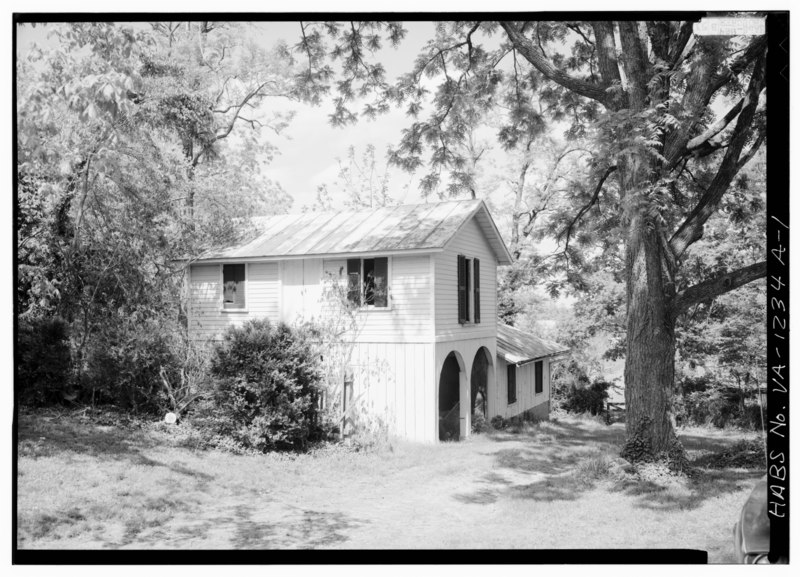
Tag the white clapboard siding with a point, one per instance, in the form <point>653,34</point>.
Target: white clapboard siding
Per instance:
<point>471,242</point>
<point>526,399</point>
<point>207,321</point>
<point>395,383</point>
<point>408,319</point>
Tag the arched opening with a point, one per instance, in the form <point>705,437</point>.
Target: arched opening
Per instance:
<point>449,395</point>
<point>479,383</point>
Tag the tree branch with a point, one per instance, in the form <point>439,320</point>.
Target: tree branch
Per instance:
<point>755,49</point>
<point>680,41</point>
<point>634,64</point>
<point>595,195</point>
<point>226,131</point>
<point>606,51</point>
<point>703,82</point>
<point>717,127</point>
<point>535,56</point>
<point>692,228</point>
<point>715,287</point>
<point>747,156</point>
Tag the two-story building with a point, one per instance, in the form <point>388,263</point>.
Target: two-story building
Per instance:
<point>423,281</point>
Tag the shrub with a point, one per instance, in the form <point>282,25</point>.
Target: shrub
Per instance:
<point>589,399</point>
<point>707,402</point>
<point>498,422</point>
<point>267,386</point>
<point>43,361</point>
<point>479,423</point>
<point>124,365</point>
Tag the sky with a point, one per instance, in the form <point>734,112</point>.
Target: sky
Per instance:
<point>309,152</point>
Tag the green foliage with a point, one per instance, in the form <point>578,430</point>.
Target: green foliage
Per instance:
<point>479,423</point>
<point>705,401</point>
<point>43,361</point>
<point>508,288</point>
<point>589,399</point>
<point>267,386</point>
<point>124,363</point>
<point>498,423</point>
<point>124,169</point>
<point>361,181</point>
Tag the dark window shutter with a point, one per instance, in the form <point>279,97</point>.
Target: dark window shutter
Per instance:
<point>467,286</point>
<point>381,287</point>
<point>354,280</point>
<point>511,372</point>
<point>462,290</point>
<point>233,286</point>
<point>537,367</point>
<point>476,273</point>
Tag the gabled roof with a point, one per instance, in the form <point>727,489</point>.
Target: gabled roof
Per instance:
<point>517,347</point>
<point>385,230</point>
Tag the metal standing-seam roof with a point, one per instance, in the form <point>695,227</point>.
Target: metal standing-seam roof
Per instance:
<point>517,347</point>
<point>410,227</point>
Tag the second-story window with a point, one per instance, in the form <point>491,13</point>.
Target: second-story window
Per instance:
<point>233,286</point>
<point>368,282</point>
<point>469,290</point>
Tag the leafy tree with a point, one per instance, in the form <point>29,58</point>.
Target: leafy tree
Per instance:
<point>643,94</point>
<point>361,181</point>
<point>725,336</point>
<point>137,148</point>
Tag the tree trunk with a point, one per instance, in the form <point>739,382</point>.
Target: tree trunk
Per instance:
<point>650,351</point>
<point>649,361</point>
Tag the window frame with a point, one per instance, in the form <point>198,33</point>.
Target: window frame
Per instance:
<point>511,370</point>
<point>361,292</point>
<point>244,308</point>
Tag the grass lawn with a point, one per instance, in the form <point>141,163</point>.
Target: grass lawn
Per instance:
<point>554,485</point>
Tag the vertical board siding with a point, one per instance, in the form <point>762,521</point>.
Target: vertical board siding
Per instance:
<point>394,382</point>
<point>470,242</point>
<point>207,321</point>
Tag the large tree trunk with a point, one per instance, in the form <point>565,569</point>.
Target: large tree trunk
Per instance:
<point>649,361</point>
<point>650,351</point>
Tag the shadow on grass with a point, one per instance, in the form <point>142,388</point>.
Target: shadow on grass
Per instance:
<point>299,529</point>
<point>90,439</point>
<point>39,439</point>
<point>704,484</point>
<point>562,488</point>
<point>567,434</point>
<point>565,459</point>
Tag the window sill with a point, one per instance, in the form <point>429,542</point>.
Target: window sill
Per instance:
<point>233,311</point>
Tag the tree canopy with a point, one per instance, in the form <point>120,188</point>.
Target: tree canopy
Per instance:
<point>667,118</point>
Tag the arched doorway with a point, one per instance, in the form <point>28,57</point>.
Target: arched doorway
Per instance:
<point>479,383</point>
<point>449,396</point>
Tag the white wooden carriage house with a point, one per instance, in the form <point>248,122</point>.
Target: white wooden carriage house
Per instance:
<point>425,280</point>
